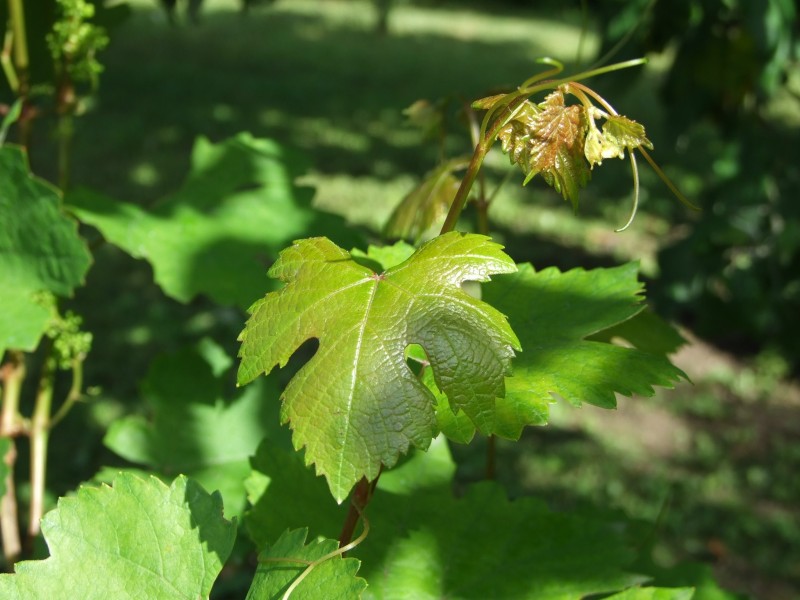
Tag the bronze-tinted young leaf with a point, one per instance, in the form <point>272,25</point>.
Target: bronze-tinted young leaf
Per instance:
<point>549,139</point>
<point>557,147</point>
<point>356,405</point>
<point>426,204</point>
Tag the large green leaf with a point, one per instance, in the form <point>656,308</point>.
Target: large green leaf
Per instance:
<point>136,539</point>
<point>331,579</point>
<point>430,544</point>
<point>356,405</point>
<point>198,427</point>
<point>218,234</point>
<point>40,251</point>
<point>554,313</point>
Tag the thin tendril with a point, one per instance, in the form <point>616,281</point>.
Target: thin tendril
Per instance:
<point>635,172</point>
<point>667,180</point>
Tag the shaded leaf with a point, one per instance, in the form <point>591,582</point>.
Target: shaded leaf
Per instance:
<point>427,204</point>
<point>40,252</point>
<point>331,579</point>
<point>554,314</point>
<point>199,427</point>
<point>276,469</point>
<point>645,331</point>
<point>356,405</point>
<point>280,474</point>
<point>426,543</point>
<point>238,207</point>
<point>136,539</point>
<point>484,546</point>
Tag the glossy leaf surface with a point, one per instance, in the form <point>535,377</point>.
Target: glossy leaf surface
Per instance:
<point>356,405</point>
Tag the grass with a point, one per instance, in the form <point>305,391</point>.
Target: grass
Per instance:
<point>717,460</point>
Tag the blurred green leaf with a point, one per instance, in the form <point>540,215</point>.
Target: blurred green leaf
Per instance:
<point>220,232</point>
<point>650,593</point>
<point>40,251</point>
<point>427,204</point>
<point>136,539</point>
<point>199,426</point>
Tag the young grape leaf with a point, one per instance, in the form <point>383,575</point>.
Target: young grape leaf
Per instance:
<point>40,251</point>
<point>426,204</point>
<point>238,206</point>
<point>549,139</point>
<point>136,539</point>
<point>651,593</point>
<point>198,428</point>
<point>356,405</point>
<point>331,579</point>
<point>554,313</point>
<point>619,134</point>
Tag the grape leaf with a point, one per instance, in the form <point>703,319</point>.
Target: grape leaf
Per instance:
<point>651,593</point>
<point>356,405</point>
<point>331,579</point>
<point>426,204</point>
<point>238,206</point>
<point>554,313</point>
<point>136,539</point>
<point>40,251</point>
<point>198,427</point>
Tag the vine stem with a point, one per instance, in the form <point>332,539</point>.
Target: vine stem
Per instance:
<point>40,436</point>
<point>481,150</point>
<point>362,494</point>
<point>12,374</point>
<point>19,49</point>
